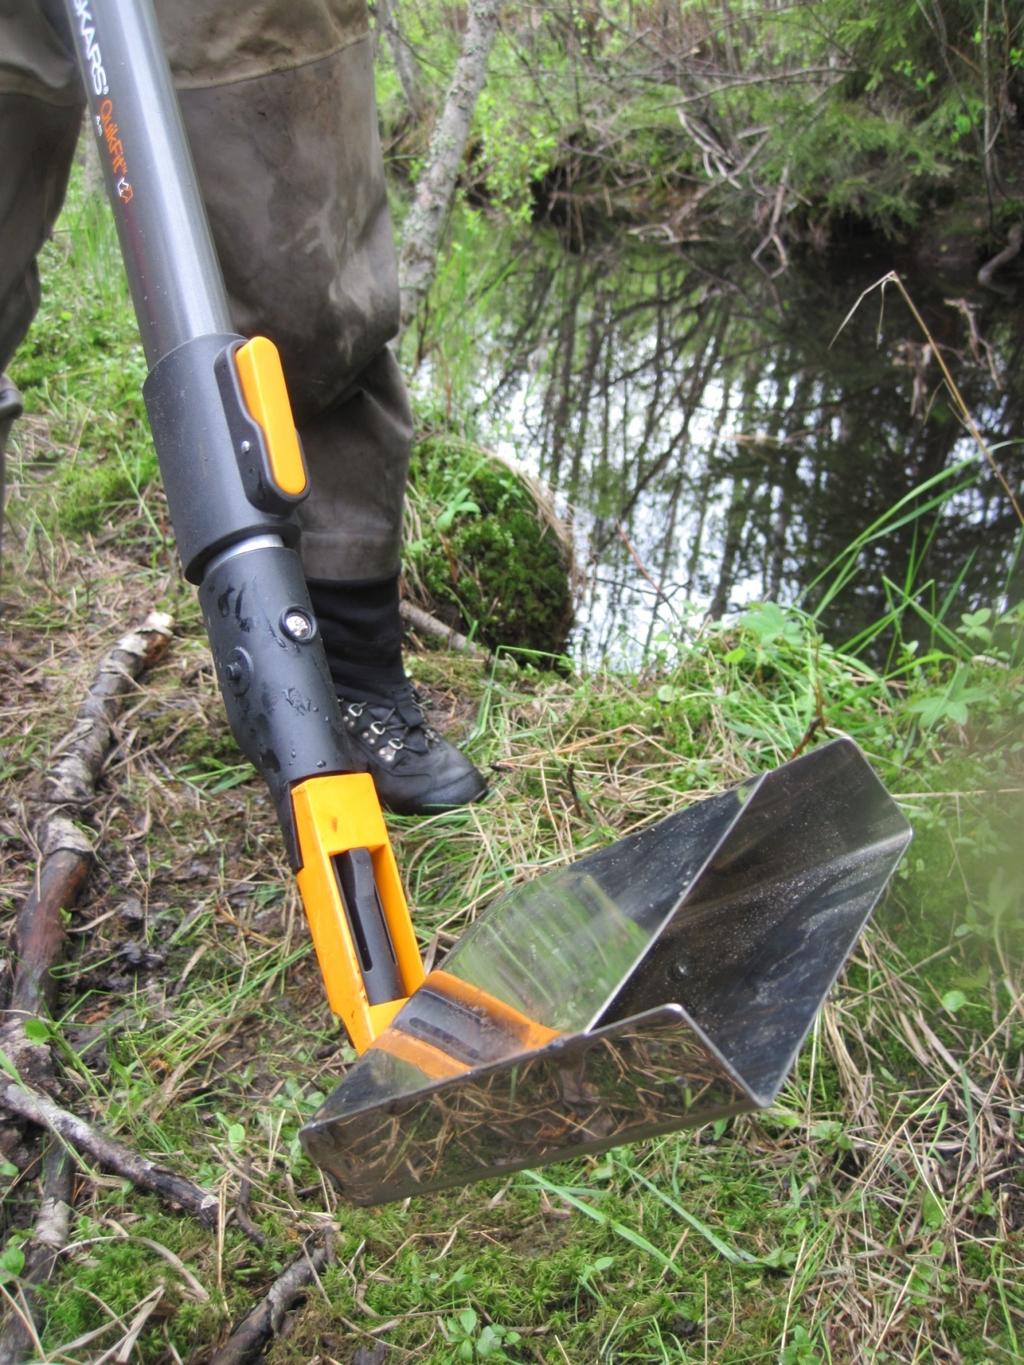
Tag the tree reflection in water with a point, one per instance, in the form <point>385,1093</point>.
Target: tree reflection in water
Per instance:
<point>712,448</point>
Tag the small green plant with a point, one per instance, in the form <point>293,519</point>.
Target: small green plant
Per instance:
<point>12,1262</point>
<point>800,1349</point>
<point>952,701</point>
<point>471,1341</point>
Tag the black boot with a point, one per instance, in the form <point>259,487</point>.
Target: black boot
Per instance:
<point>415,770</point>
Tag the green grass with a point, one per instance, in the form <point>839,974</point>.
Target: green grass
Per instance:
<point>872,1214</point>
<point>81,371</point>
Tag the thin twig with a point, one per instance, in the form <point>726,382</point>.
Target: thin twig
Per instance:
<point>241,1211</point>
<point>642,569</point>
<point>263,1322</point>
<point>963,411</point>
<point>1012,248</point>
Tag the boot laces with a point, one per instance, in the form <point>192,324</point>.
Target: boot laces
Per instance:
<point>390,726</point>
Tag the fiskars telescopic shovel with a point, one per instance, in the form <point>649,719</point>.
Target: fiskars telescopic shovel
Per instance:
<point>664,981</point>
<point>234,472</point>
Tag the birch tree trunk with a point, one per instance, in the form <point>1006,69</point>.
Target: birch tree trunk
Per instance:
<point>425,221</point>
<point>389,24</point>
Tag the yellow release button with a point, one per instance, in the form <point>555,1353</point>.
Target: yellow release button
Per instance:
<point>266,397</point>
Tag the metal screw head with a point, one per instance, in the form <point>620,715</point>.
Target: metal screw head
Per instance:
<point>245,447</point>
<point>238,671</point>
<point>297,624</point>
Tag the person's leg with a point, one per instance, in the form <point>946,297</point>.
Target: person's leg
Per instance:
<point>278,101</point>
<point>40,113</point>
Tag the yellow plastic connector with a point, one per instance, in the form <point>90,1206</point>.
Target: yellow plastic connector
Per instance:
<point>266,396</point>
<point>477,1015</point>
<point>334,814</point>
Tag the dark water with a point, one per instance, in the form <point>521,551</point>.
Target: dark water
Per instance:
<point>711,448</point>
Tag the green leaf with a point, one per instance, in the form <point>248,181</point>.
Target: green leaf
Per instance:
<point>785,1118</point>
<point>827,1130</point>
<point>12,1262</point>
<point>8,1170</point>
<point>36,1031</point>
<point>953,1001</point>
<point>767,621</point>
<point>462,505</point>
<point>468,1320</point>
<point>953,703</point>
<point>932,1212</point>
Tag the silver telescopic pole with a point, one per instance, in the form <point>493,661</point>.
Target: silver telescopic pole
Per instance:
<point>172,268</point>
<point>233,522</point>
<point>232,502</point>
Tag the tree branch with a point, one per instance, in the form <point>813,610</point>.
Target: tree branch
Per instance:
<point>430,625</point>
<point>263,1322</point>
<point>49,1236</point>
<point>32,1105</point>
<point>65,849</point>
<point>402,56</point>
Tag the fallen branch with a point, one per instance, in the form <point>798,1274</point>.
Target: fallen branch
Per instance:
<point>65,850</point>
<point>38,938</point>
<point>263,1322</point>
<point>430,625</point>
<point>49,1237</point>
<point>35,1107</point>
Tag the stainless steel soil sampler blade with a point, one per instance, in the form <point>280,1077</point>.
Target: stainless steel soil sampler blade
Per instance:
<point>664,981</point>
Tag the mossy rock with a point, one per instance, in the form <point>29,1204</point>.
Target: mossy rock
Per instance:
<point>485,551</point>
